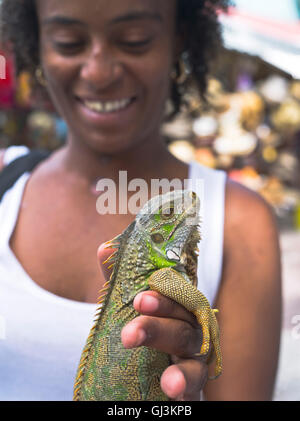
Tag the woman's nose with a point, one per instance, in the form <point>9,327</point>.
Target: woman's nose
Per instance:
<point>101,69</point>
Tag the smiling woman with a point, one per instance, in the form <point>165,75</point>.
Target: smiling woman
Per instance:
<point>105,89</point>
<point>109,68</point>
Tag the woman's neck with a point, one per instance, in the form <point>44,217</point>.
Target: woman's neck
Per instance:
<point>147,160</point>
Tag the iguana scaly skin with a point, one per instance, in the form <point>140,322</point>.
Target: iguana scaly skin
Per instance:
<point>157,251</point>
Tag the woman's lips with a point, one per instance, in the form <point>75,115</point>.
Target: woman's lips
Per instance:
<point>107,112</point>
<point>107,106</point>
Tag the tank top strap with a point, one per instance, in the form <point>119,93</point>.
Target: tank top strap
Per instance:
<point>210,186</point>
<point>14,152</point>
<point>10,204</point>
<point>9,209</point>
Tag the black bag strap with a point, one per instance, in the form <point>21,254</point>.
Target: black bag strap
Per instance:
<point>26,163</point>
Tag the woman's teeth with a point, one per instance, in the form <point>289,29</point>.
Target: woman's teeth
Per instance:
<point>107,107</point>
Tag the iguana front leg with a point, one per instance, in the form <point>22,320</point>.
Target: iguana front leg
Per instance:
<point>170,283</point>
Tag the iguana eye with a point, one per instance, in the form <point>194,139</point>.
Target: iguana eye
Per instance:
<point>157,238</point>
<point>167,212</point>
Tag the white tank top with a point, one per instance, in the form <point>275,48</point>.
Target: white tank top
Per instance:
<point>41,334</point>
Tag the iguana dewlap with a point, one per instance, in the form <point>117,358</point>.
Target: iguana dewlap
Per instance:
<point>157,251</point>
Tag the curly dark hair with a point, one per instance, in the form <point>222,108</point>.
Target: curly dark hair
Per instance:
<point>19,29</point>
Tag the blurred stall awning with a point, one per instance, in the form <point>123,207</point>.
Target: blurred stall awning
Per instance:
<point>275,41</point>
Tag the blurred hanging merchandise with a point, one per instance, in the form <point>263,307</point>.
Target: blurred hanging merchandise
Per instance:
<point>21,120</point>
<point>250,124</point>
<point>7,90</point>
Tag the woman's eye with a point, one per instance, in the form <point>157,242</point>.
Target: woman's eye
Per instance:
<point>68,46</point>
<point>136,44</point>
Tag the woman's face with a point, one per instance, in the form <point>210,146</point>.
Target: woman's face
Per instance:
<point>107,65</point>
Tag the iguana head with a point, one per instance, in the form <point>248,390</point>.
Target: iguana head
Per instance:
<point>168,225</point>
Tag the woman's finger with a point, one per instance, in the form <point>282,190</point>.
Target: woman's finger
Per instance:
<point>185,380</point>
<point>174,337</point>
<point>152,303</point>
<point>103,254</point>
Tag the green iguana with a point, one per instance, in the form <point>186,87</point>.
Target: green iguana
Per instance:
<point>157,251</point>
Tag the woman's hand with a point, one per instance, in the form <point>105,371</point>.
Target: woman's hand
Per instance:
<point>168,327</point>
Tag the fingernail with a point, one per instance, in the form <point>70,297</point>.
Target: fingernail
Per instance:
<point>149,303</point>
<point>141,337</point>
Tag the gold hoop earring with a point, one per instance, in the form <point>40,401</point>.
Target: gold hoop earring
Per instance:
<point>39,75</point>
<point>179,74</point>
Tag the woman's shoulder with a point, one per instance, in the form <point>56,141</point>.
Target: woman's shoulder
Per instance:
<point>242,203</point>
<point>248,217</point>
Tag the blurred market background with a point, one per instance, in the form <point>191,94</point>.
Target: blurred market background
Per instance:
<point>249,127</point>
